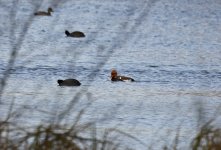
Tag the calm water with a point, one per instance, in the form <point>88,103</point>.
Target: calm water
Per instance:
<point>172,48</point>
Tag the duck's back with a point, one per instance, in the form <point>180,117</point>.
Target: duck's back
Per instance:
<point>126,78</point>
<point>70,82</point>
<point>42,13</point>
<point>77,34</point>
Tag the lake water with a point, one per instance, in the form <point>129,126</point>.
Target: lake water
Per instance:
<point>172,48</point>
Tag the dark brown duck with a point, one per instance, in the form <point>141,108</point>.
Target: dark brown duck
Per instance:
<point>43,13</point>
<point>68,82</point>
<point>77,34</point>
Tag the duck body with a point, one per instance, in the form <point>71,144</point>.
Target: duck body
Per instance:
<point>68,82</point>
<point>115,77</point>
<point>122,78</point>
<point>43,13</point>
<point>77,34</point>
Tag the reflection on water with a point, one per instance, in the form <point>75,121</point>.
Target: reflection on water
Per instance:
<point>171,49</point>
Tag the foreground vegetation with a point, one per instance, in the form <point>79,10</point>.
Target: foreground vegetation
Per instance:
<point>62,137</point>
<point>50,137</point>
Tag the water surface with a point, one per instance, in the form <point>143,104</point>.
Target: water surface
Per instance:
<point>171,48</point>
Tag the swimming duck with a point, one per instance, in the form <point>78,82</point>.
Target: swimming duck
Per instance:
<point>68,82</point>
<point>74,34</point>
<point>115,77</point>
<point>43,13</point>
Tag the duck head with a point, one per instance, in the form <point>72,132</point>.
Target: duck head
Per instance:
<point>60,81</point>
<point>67,32</point>
<point>113,73</point>
<point>50,9</point>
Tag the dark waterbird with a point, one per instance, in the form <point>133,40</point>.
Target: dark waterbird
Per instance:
<point>68,82</point>
<point>77,34</point>
<point>43,13</point>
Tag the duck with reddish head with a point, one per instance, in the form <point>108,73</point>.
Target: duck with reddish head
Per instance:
<point>116,77</point>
